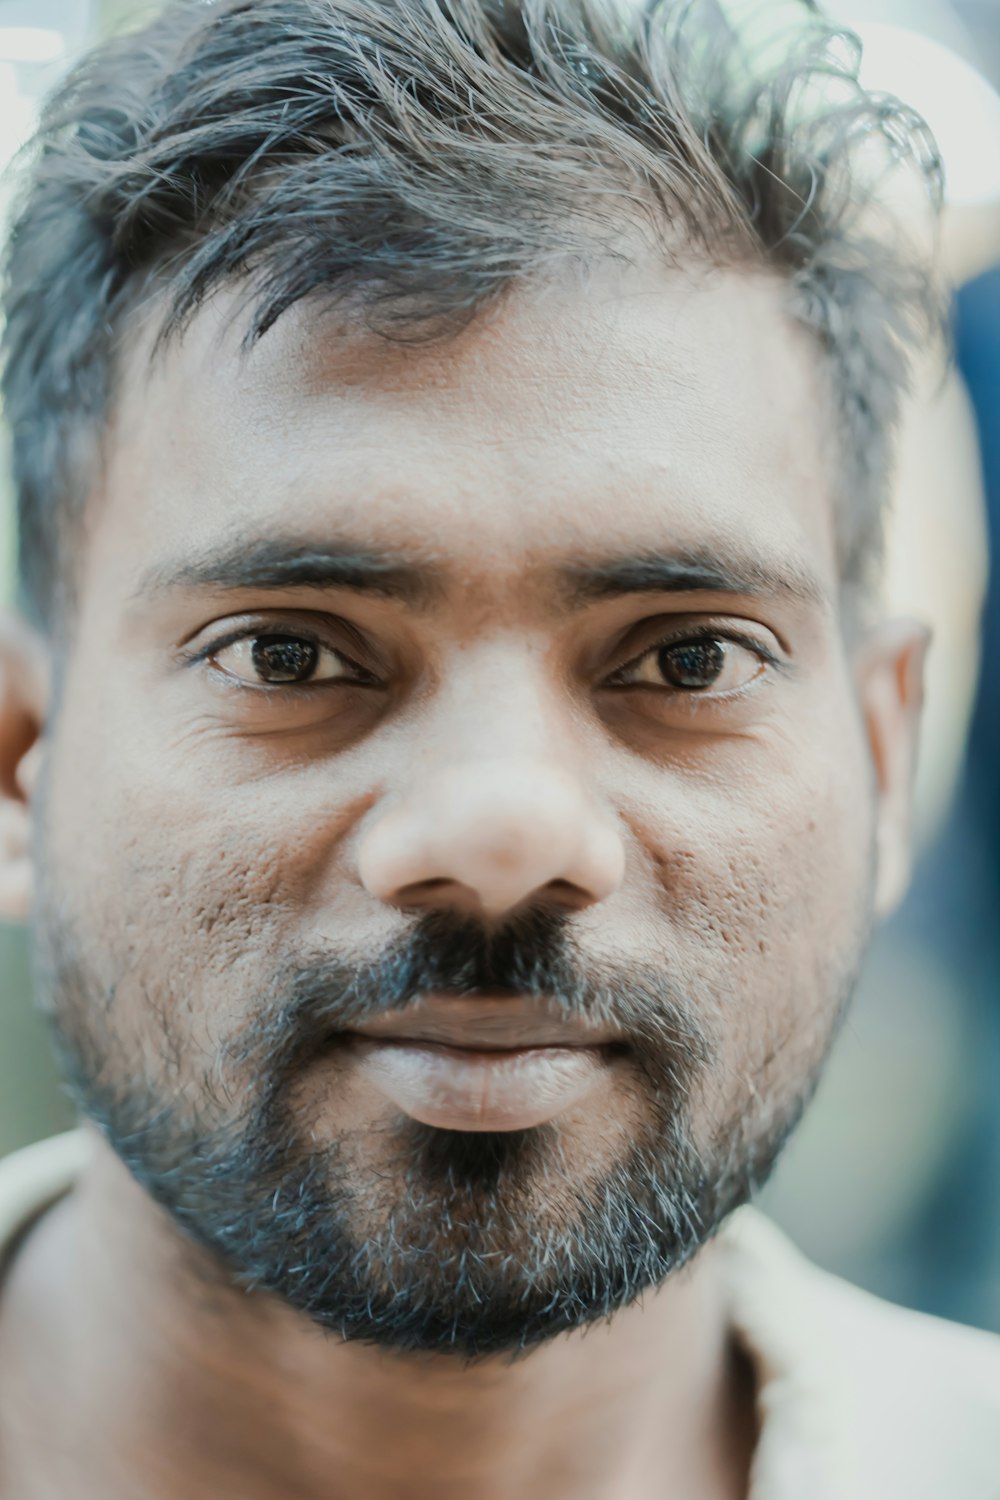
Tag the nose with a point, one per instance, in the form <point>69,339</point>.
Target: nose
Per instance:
<point>488,835</point>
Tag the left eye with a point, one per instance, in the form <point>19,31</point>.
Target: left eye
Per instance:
<point>697,665</point>
<point>278,659</point>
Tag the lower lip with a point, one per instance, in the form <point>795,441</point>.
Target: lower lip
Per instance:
<point>455,1089</point>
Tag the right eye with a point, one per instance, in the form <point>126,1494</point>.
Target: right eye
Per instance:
<point>280,660</point>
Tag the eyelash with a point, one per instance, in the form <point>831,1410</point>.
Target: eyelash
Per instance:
<point>698,633</point>
<point>365,678</point>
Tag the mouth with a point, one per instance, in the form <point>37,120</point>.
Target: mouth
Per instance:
<point>482,1063</point>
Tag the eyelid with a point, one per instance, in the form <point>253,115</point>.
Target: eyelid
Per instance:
<point>702,631</point>
<point>250,630</point>
<point>258,626</point>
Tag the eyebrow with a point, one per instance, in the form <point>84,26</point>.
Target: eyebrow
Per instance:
<point>287,563</point>
<point>694,571</point>
<point>419,580</point>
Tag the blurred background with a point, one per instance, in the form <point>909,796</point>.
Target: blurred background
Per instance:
<point>894,1178</point>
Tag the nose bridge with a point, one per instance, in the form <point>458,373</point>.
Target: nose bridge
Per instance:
<point>503,729</point>
<point>496,804</point>
<point>500,700</point>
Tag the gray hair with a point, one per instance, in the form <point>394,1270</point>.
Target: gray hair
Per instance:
<point>418,158</point>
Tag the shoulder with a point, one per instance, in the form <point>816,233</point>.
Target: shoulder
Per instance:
<point>909,1403</point>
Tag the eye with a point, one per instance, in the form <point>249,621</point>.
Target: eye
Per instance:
<point>277,660</point>
<point>696,664</point>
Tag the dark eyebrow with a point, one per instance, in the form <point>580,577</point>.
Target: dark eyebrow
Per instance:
<point>419,581</point>
<point>691,572</point>
<point>279,563</point>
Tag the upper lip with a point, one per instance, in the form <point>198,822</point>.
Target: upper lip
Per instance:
<point>484,1023</point>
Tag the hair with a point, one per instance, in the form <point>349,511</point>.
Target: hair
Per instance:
<point>415,160</point>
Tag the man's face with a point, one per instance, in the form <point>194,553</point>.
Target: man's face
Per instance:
<point>587,766</point>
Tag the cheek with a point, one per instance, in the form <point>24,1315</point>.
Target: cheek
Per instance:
<point>771,914</point>
<point>762,880</point>
<point>791,869</point>
<point>205,888</point>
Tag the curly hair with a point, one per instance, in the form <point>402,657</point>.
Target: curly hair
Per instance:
<point>418,158</point>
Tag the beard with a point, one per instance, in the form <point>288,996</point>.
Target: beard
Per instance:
<point>410,1237</point>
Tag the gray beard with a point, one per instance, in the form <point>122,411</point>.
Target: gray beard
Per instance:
<point>474,1244</point>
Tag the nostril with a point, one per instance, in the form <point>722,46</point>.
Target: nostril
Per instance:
<point>504,835</point>
<point>569,894</point>
<point>417,892</point>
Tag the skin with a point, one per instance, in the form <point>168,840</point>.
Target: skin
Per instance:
<point>740,838</point>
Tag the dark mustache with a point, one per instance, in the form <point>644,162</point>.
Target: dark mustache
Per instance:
<point>451,954</point>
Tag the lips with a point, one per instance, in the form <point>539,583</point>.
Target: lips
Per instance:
<point>482,1063</point>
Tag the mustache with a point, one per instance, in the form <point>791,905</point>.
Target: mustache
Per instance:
<point>449,954</point>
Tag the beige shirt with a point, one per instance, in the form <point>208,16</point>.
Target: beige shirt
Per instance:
<point>858,1399</point>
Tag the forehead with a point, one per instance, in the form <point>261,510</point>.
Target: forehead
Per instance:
<point>635,407</point>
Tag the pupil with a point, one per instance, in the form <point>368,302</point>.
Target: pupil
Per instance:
<point>692,664</point>
<point>283,658</point>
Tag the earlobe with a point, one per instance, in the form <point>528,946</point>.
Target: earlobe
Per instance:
<point>891,681</point>
<point>24,689</point>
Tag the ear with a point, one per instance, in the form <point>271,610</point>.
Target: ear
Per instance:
<point>890,673</point>
<point>24,697</point>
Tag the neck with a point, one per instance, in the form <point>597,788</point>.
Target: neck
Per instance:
<point>128,1340</point>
